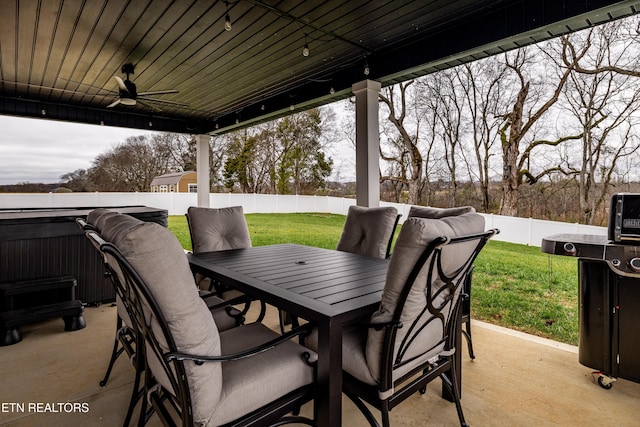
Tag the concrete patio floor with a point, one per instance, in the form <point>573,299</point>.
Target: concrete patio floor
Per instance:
<point>515,380</point>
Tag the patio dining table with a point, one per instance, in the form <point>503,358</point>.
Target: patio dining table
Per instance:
<point>330,288</point>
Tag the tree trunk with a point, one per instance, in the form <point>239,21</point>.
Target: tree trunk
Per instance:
<point>510,155</point>
<point>510,192</point>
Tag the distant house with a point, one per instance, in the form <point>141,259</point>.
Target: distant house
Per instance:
<point>176,182</point>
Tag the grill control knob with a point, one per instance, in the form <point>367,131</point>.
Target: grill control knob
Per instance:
<point>569,248</point>
<point>634,263</point>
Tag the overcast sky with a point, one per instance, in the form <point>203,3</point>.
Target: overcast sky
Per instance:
<point>38,150</point>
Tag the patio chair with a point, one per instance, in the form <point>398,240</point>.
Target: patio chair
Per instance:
<point>431,212</point>
<point>194,373</point>
<point>369,231</point>
<point>410,340</point>
<point>112,223</point>
<point>218,229</point>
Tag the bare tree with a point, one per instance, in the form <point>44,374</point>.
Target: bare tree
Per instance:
<point>132,165</point>
<point>481,89</point>
<point>605,104</point>
<point>127,167</point>
<point>77,180</point>
<point>403,153</point>
<point>536,95</point>
<point>447,108</point>
<point>217,157</point>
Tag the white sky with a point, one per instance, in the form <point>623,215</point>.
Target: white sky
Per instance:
<point>38,150</point>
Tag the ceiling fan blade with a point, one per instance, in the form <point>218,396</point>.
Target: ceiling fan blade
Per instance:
<point>163,101</point>
<point>114,103</point>
<point>146,104</point>
<point>121,84</point>
<point>158,92</point>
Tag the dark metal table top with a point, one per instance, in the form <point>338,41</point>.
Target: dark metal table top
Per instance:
<point>308,281</point>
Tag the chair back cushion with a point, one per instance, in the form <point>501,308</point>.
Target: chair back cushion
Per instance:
<point>159,259</point>
<point>367,231</point>
<point>97,217</point>
<point>429,212</point>
<point>116,225</point>
<point>218,229</point>
<point>112,227</point>
<point>415,236</point>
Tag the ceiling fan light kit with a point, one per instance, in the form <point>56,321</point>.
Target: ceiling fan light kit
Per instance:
<point>129,96</point>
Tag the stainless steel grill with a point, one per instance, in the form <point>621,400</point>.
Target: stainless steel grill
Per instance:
<point>609,297</point>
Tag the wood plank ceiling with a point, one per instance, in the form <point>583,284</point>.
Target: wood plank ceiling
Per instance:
<point>58,58</point>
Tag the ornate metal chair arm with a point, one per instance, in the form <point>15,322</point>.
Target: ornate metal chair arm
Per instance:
<point>199,359</point>
<point>384,325</point>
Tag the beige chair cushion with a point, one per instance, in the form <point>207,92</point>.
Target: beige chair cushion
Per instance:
<point>115,226</point>
<point>430,212</point>
<point>151,360</point>
<point>97,217</point>
<point>159,259</point>
<point>354,340</point>
<point>367,231</point>
<point>110,224</point>
<point>255,381</point>
<point>218,229</point>
<point>414,237</point>
<point>223,320</point>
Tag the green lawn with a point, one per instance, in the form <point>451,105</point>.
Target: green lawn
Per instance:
<point>522,288</point>
<point>515,286</point>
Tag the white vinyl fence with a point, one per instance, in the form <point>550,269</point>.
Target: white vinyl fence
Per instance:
<point>517,230</point>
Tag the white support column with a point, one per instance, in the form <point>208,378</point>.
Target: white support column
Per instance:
<point>202,164</point>
<point>367,143</point>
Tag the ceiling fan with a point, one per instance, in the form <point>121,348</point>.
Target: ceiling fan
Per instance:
<point>128,94</point>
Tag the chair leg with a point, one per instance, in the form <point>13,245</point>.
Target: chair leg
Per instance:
<point>384,412</point>
<point>115,353</point>
<point>423,389</point>
<point>136,394</point>
<point>219,289</point>
<point>286,318</point>
<point>144,416</point>
<point>263,311</point>
<point>467,334</point>
<point>247,305</point>
<point>364,410</point>
<point>144,413</point>
<point>282,320</point>
<point>452,386</point>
